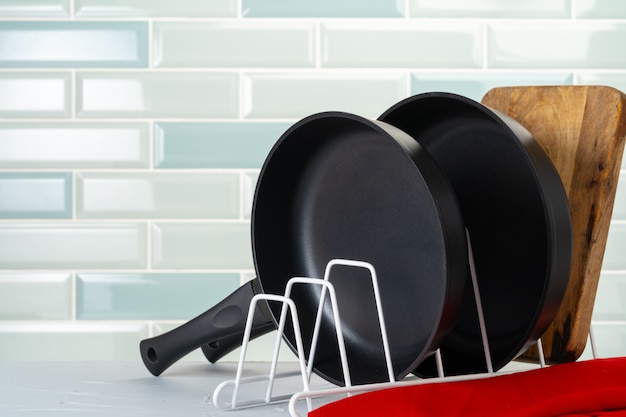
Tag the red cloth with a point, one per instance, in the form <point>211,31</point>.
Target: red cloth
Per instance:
<point>587,388</point>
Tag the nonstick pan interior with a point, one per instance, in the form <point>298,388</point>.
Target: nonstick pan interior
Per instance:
<point>516,211</point>
<point>336,185</point>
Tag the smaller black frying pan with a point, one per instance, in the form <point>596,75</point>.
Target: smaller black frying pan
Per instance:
<point>336,185</point>
<point>516,210</point>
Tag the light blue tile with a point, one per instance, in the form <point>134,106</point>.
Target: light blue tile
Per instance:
<point>490,8</point>
<point>73,44</point>
<point>614,255</point>
<point>603,9</point>
<point>158,94</point>
<point>74,145</point>
<point>610,339</point>
<point>294,95</point>
<point>71,341</point>
<point>566,44</point>
<point>150,296</point>
<point>611,79</point>
<point>201,246</point>
<point>401,44</point>
<point>34,8</point>
<point>36,94</point>
<point>214,145</point>
<point>65,245</point>
<point>35,296</point>
<point>475,84</point>
<point>35,195</point>
<point>249,185</point>
<point>159,8</point>
<point>609,303</point>
<point>323,8</point>
<point>246,43</point>
<point>178,195</point>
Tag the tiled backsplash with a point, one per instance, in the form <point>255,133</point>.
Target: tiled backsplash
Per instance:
<point>132,133</point>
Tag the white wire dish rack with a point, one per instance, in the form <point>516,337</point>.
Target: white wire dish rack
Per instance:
<point>306,393</point>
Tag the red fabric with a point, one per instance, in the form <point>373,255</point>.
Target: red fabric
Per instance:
<point>587,388</point>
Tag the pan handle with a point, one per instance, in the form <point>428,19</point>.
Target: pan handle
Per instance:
<point>219,329</point>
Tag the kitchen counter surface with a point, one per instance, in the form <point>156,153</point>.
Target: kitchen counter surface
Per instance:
<point>35,389</point>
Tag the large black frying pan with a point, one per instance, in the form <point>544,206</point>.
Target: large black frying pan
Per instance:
<point>517,214</point>
<point>336,185</point>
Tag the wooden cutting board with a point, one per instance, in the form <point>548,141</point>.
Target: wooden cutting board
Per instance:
<point>582,129</point>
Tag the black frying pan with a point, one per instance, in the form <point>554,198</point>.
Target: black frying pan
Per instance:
<point>339,186</point>
<point>517,214</point>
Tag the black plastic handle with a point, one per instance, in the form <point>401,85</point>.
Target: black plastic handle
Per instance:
<point>219,329</point>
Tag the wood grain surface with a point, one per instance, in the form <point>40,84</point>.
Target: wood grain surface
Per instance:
<point>582,129</point>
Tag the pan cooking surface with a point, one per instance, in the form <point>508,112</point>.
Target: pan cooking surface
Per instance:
<point>516,211</point>
<point>349,190</point>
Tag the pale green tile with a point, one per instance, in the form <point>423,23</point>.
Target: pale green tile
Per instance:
<point>474,85</point>
<point>201,245</point>
<point>73,44</point>
<point>604,9</point>
<point>609,302</point>
<point>34,8</point>
<point>563,44</point>
<point>159,8</point>
<point>610,339</point>
<point>490,8</point>
<point>35,296</point>
<point>249,184</point>
<point>150,296</point>
<point>157,94</point>
<point>74,145</point>
<point>234,43</point>
<point>214,145</point>
<point>323,8</point>
<point>65,245</point>
<point>35,94</point>
<point>611,79</point>
<point>158,195</point>
<point>70,341</point>
<point>299,94</point>
<point>35,195</point>
<point>403,44</point>
<point>614,258</point>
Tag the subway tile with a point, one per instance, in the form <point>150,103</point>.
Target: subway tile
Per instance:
<point>74,145</point>
<point>475,84</point>
<point>490,9</point>
<point>322,8</point>
<point>35,296</point>
<point>150,296</point>
<point>158,195</point>
<point>71,341</point>
<point>157,94</point>
<point>65,245</point>
<point>34,8</point>
<point>403,44</point>
<point>299,94</point>
<point>556,44</point>
<point>35,195</point>
<point>249,185</point>
<point>610,339</point>
<point>619,207</point>
<point>37,94</point>
<point>156,8</point>
<point>609,303</point>
<point>600,9</point>
<point>201,245</point>
<point>214,145</point>
<point>48,44</point>
<point>614,258</point>
<point>234,43</point>
<point>611,79</point>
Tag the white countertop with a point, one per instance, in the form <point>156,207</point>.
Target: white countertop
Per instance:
<point>117,389</point>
